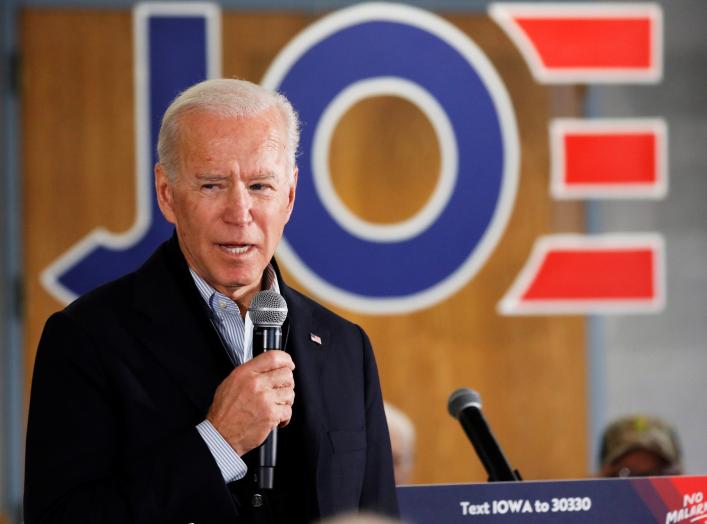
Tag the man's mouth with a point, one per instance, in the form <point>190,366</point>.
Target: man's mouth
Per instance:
<point>235,249</point>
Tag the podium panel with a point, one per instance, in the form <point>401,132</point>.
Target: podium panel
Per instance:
<point>664,500</point>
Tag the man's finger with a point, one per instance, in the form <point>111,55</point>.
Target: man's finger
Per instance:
<point>285,416</point>
<point>284,397</point>
<point>270,360</point>
<point>281,378</point>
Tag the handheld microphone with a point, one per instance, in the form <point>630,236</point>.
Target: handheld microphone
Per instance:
<point>465,405</point>
<point>268,311</point>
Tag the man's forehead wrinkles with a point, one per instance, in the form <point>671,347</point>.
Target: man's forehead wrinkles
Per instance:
<point>272,142</point>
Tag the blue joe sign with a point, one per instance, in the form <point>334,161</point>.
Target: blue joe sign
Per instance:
<point>362,51</point>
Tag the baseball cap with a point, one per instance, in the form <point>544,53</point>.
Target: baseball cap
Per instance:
<point>642,432</point>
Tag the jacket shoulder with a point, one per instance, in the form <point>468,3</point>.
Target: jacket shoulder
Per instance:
<point>115,295</point>
<point>111,295</point>
<point>320,313</point>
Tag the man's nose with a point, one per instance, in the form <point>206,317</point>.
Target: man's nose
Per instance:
<point>238,206</point>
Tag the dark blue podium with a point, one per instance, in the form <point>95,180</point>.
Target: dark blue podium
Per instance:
<point>663,500</point>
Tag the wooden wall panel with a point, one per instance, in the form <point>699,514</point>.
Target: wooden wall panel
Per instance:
<point>78,165</point>
<point>77,140</point>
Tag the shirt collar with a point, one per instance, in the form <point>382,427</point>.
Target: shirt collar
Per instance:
<point>209,294</point>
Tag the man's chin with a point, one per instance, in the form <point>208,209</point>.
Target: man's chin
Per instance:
<point>239,285</point>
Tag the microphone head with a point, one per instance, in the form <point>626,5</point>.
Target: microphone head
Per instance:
<point>461,399</point>
<point>268,309</point>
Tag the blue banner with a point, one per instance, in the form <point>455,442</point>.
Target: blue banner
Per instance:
<point>664,500</point>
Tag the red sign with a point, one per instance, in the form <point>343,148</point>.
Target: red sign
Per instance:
<point>578,274</point>
<point>573,43</point>
<point>606,158</point>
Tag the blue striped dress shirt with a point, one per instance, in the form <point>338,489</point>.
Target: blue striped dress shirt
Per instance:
<point>237,336</point>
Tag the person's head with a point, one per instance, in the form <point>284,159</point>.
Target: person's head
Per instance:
<point>639,446</point>
<point>228,97</point>
<point>359,518</point>
<point>402,442</point>
<point>226,179</point>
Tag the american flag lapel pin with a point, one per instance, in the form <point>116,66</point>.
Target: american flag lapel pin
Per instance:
<point>315,338</point>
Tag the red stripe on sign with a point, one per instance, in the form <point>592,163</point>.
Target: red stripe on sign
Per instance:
<point>594,275</point>
<point>590,42</point>
<point>677,492</point>
<point>626,158</point>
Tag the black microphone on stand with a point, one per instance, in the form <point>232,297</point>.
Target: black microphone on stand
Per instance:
<point>465,405</point>
<point>268,312</point>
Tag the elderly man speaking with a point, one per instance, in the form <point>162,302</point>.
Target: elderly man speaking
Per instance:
<point>147,405</point>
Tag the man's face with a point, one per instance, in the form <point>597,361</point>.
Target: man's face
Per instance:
<point>231,198</point>
<point>640,463</point>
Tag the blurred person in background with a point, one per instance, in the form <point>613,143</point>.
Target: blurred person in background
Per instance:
<point>360,518</point>
<point>402,441</point>
<point>640,446</point>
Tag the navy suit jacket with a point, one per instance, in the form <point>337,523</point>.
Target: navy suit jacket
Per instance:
<point>125,373</point>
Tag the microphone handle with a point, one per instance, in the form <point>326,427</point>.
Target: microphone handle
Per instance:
<point>486,446</point>
<point>268,458</point>
<point>266,338</point>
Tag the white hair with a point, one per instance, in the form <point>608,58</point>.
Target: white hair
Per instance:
<point>227,97</point>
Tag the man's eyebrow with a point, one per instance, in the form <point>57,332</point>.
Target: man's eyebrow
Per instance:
<point>210,177</point>
<point>263,175</point>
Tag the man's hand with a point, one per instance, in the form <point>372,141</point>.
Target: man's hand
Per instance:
<point>255,398</point>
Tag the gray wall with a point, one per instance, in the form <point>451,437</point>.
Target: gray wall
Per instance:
<point>3,284</point>
<point>657,364</point>
<point>10,348</point>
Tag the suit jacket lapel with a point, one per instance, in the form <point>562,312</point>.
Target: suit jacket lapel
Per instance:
<point>176,325</point>
<point>176,329</point>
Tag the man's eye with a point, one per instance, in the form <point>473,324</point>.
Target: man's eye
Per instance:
<point>209,187</point>
<point>259,187</point>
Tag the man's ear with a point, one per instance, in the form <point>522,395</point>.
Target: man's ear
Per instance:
<point>292,193</point>
<point>165,195</point>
